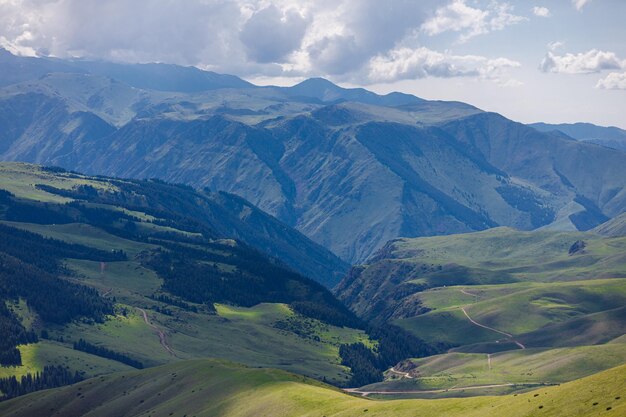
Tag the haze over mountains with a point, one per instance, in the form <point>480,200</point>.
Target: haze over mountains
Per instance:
<point>346,167</point>
<point>612,137</point>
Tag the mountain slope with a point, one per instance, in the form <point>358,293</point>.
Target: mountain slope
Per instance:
<point>211,388</point>
<point>611,137</point>
<point>225,215</point>
<point>613,228</point>
<point>348,168</point>
<point>406,273</point>
<point>99,273</point>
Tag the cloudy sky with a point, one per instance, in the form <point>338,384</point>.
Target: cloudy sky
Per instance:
<point>544,60</point>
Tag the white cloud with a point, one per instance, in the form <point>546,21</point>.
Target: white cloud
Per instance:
<point>408,63</point>
<point>541,11</point>
<point>579,4</point>
<point>553,46</point>
<point>470,21</point>
<point>343,39</point>
<point>593,60</point>
<point>613,81</point>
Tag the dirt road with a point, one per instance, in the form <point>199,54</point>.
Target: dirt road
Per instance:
<point>402,374</point>
<point>508,335</point>
<point>437,391</point>
<point>162,337</point>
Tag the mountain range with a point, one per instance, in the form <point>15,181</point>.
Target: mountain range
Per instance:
<point>348,168</point>
<point>611,137</point>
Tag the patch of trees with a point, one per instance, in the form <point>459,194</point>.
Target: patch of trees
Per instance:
<point>39,213</point>
<point>118,222</point>
<point>362,362</point>
<point>103,352</point>
<point>55,300</point>
<point>50,377</point>
<point>46,253</point>
<point>79,192</point>
<point>394,345</point>
<point>174,302</point>
<point>193,274</point>
<point>12,333</point>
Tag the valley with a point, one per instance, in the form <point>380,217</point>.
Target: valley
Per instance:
<point>178,242</point>
<point>148,323</point>
<point>516,308</point>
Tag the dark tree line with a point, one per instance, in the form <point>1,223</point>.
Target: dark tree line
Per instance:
<point>152,197</point>
<point>103,352</point>
<point>394,345</point>
<point>362,362</point>
<point>175,302</point>
<point>12,333</point>
<point>55,300</point>
<point>50,377</point>
<point>194,274</point>
<point>46,253</point>
<point>29,268</point>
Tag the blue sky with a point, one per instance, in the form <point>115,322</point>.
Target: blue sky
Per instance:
<point>552,60</point>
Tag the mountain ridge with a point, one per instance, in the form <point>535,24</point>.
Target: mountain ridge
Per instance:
<point>346,167</point>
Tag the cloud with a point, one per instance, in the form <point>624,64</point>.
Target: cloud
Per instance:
<point>270,35</point>
<point>553,46</point>
<point>407,63</point>
<point>344,39</point>
<point>541,11</point>
<point>579,4</point>
<point>613,81</point>
<point>591,61</point>
<point>469,21</point>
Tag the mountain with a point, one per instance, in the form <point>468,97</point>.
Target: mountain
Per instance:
<point>325,91</point>
<point>611,137</point>
<point>158,77</point>
<point>346,167</point>
<point>210,388</point>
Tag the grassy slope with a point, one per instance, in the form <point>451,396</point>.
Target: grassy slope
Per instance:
<point>247,335</point>
<point>212,388</point>
<point>499,306</point>
<point>530,366</point>
<point>527,256</point>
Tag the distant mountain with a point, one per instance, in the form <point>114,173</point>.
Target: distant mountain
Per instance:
<point>327,92</point>
<point>159,77</point>
<point>611,137</point>
<point>348,168</point>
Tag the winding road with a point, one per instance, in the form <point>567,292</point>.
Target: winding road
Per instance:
<point>162,337</point>
<point>508,335</point>
<point>402,374</point>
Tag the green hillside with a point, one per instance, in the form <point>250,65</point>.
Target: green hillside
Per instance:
<point>213,388</point>
<point>156,273</point>
<point>515,308</point>
<point>406,267</point>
